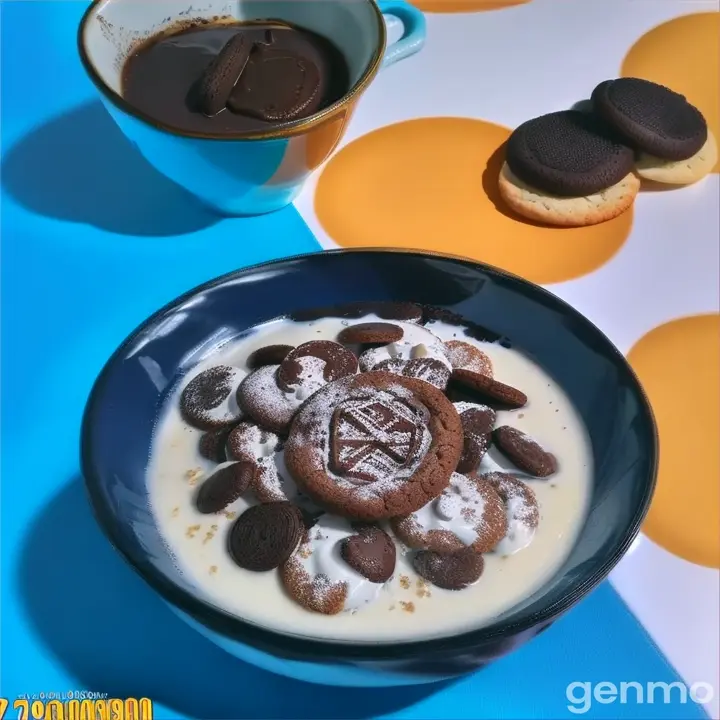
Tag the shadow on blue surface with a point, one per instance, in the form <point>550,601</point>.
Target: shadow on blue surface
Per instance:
<point>80,167</point>
<point>115,636</point>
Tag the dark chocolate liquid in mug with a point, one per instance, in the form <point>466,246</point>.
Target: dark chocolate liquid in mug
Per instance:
<point>231,78</point>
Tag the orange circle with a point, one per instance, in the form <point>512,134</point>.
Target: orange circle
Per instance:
<point>684,55</point>
<point>458,6</point>
<point>432,184</point>
<point>679,365</point>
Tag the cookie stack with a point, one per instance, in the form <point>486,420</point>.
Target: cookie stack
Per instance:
<point>575,168</point>
<point>351,451</point>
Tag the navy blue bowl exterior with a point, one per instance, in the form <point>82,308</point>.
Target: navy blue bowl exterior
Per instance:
<point>133,385</point>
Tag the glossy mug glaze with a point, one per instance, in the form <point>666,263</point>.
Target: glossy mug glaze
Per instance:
<point>145,369</point>
<point>251,173</point>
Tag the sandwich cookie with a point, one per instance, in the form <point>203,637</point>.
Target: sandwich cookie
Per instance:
<point>568,169</point>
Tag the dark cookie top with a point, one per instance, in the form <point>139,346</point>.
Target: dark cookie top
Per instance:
<point>651,117</point>
<point>568,153</point>
<point>208,400</point>
<point>229,481</point>
<point>371,552</point>
<point>374,445</point>
<point>451,572</point>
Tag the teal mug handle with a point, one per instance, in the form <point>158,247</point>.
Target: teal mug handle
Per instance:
<point>414,30</point>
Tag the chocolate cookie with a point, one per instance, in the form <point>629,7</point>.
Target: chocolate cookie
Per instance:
<point>450,572</point>
<point>468,513</point>
<point>651,117</point>
<point>521,509</point>
<point>464,356</point>
<point>371,552</point>
<point>313,364</point>
<point>526,453</point>
<point>568,153</point>
<point>478,422</point>
<point>492,391</point>
<point>429,369</point>
<point>265,536</point>
<point>264,402</point>
<point>371,333</point>
<point>208,400</point>
<point>268,355</point>
<point>375,445</point>
<point>212,444</point>
<point>227,483</point>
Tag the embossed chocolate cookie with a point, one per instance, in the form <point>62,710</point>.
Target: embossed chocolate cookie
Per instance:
<point>319,579</point>
<point>268,355</point>
<point>429,369</point>
<point>227,483</point>
<point>468,513</point>
<point>264,402</point>
<point>371,552</point>
<point>312,364</point>
<point>451,572</point>
<point>521,509</point>
<point>208,400</point>
<point>265,536</point>
<point>375,445</point>
<point>464,356</point>
<point>371,333</point>
<point>478,422</point>
<point>524,452</point>
<point>490,390</point>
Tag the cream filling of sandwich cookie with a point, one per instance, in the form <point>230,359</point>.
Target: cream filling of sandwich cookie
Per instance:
<point>321,556</point>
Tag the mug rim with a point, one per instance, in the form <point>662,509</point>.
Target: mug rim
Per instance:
<point>326,650</point>
<point>280,130</point>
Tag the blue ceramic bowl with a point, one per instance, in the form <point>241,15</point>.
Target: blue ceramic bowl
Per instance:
<point>125,401</point>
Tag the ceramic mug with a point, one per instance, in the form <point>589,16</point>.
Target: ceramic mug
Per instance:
<point>258,172</point>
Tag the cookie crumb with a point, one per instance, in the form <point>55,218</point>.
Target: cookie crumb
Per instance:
<point>213,569</point>
<point>408,607</point>
<point>209,535</point>
<point>176,511</point>
<point>404,582</point>
<point>305,552</point>
<point>423,590</point>
<point>392,607</point>
<point>192,476</point>
<point>192,531</point>
<point>230,515</point>
<point>521,416</point>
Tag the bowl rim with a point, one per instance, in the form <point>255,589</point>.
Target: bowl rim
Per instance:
<point>337,651</point>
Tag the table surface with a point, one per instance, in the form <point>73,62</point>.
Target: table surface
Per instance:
<point>94,240</point>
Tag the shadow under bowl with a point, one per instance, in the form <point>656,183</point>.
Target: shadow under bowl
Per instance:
<point>131,389</point>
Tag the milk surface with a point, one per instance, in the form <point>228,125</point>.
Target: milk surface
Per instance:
<point>407,608</point>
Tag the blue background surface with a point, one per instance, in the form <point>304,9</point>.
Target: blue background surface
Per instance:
<point>93,241</point>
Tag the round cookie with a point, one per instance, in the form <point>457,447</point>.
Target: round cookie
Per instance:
<point>522,512</point>
<point>478,422</point>
<point>651,117</point>
<point>371,552</point>
<point>375,445</point>
<point>226,484</point>
<point>491,390</point>
<point>317,577</point>
<point>212,444</point>
<point>526,453</point>
<point>371,333</point>
<point>539,206</point>
<point>679,172</point>
<point>208,401</point>
<point>468,513</point>
<point>568,154</point>
<point>310,365</point>
<point>428,369</point>
<point>265,536</point>
<point>464,356</point>
<point>268,355</point>
<point>261,399</point>
<point>455,571</point>
<point>417,344</point>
